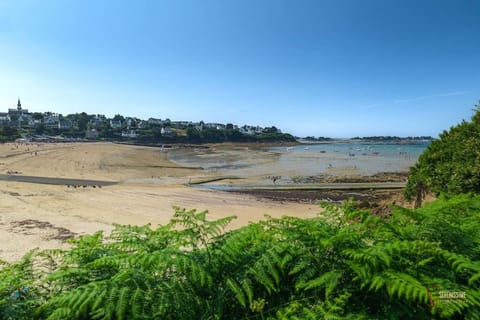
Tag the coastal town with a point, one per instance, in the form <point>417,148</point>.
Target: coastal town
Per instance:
<point>19,123</point>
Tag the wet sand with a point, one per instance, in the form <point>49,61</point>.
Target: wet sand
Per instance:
<point>147,185</point>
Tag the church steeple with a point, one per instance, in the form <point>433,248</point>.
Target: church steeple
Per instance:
<point>19,105</point>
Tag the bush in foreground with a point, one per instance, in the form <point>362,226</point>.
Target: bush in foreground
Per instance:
<point>344,264</point>
<point>451,164</point>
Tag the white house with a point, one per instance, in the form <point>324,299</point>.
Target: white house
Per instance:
<point>65,124</point>
<point>246,130</point>
<point>218,126</point>
<point>51,119</point>
<point>130,122</point>
<point>251,130</point>
<point>98,119</point>
<point>129,134</point>
<point>25,118</point>
<point>4,118</point>
<point>116,124</point>
<point>141,124</point>
<point>166,131</point>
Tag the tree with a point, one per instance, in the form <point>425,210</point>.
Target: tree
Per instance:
<point>82,121</point>
<point>37,116</point>
<point>119,117</point>
<point>272,129</point>
<point>40,129</point>
<point>234,135</point>
<point>106,130</point>
<point>451,164</point>
<point>193,135</point>
<point>8,133</point>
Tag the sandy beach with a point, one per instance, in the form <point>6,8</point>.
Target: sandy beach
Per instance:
<point>145,185</point>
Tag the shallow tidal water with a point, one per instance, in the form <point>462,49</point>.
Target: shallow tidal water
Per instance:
<point>304,160</point>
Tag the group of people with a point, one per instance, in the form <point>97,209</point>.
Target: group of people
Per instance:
<point>75,186</point>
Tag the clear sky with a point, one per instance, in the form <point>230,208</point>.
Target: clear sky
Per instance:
<point>338,68</point>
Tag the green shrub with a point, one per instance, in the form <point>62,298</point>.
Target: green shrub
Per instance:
<point>343,264</point>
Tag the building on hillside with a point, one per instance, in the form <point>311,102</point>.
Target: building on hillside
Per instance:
<point>4,118</point>
<point>155,122</point>
<point>247,130</point>
<point>25,118</point>
<point>116,124</point>
<point>98,119</point>
<point>165,131</point>
<point>19,115</point>
<point>251,130</point>
<point>131,122</point>
<point>132,134</point>
<point>18,110</point>
<point>51,119</point>
<point>65,124</point>
<point>34,122</point>
<point>218,126</point>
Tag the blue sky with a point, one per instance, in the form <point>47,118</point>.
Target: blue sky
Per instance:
<point>337,68</point>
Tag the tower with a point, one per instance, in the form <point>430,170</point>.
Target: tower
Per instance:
<point>19,105</point>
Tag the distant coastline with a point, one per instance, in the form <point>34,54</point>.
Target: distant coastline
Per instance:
<point>377,139</point>
<point>19,123</point>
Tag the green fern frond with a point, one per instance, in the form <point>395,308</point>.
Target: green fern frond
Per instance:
<point>267,278</point>
<point>123,303</point>
<point>377,283</point>
<point>238,291</point>
<point>300,267</point>
<point>405,286</point>
<point>61,314</point>
<point>328,280</point>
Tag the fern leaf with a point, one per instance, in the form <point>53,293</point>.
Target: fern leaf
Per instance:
<point>377,283</point>
<point>60,314</point>
<point>248,289</point>
<point>328,280</point>
<point>237,290</point>
<point>122,303</point>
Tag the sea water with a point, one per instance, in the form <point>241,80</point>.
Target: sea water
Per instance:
<point>384,149</point>
<point>323,159</point>
<point>364,158</point>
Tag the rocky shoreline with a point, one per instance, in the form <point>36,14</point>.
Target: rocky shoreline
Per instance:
<point>373,199</point>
